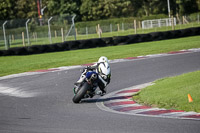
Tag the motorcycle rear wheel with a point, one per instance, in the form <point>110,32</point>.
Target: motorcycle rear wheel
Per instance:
<point>80,94</point>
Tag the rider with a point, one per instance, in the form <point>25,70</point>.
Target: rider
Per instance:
<point>102,68</point>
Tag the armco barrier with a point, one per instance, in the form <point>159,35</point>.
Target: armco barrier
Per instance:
<point>101,42</point>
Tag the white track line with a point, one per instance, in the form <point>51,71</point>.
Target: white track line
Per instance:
<point>16,92</point>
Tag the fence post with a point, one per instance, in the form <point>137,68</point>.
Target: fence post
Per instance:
<point>72,26</point>
<point>99,30</point>
<point>139,24</point>
<point>62,34</point>
<point>23,40</point>
<point>13,38</point>
<point>76,32</point>
<point>111,28</point>
<point>49,30</point>
<point>27,33</point>
<point>135,26</point>
<point>118,27</point>
<point>55,32</point>
<point>86,29</point>
<point>172,19</point>
<point>4,33</point>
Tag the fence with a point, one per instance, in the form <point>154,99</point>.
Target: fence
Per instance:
<point>147,24</point>
<point>37,32</point>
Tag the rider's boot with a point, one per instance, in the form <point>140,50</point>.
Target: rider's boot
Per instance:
<point>101,92</point>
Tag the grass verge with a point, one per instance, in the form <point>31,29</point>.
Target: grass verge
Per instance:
<point>18,64</point>
<point>172,93</point>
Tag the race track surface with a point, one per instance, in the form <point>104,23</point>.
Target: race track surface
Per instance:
<point>42,103</point>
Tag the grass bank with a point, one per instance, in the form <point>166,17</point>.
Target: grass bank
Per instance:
<point>172,93</point>
<point>18,64</point>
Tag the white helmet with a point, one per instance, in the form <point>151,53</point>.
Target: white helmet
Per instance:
<point>103,59</point>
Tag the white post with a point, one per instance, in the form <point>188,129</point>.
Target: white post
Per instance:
<point>74,26</point>
<point>27,31</point>
<point>111,28</point>
<point>166,21</point>
<point>62,34</point>
<point>168,8</point>
<point>86,31</point>
<point>4,33</point>
<point>122,26</point>
<point>143,27</point>
<point>151,23</point>
<point>49,30</point>
<point>135,26</point>
<point>159,23</point>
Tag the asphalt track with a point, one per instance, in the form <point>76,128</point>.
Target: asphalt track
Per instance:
<point>41,103</point>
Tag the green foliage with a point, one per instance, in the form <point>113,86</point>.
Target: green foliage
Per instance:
<point>87,10</point>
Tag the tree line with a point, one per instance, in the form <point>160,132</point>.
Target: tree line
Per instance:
<point>87,10</point>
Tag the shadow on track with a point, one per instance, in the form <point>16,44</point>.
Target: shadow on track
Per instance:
<point>104,99</point>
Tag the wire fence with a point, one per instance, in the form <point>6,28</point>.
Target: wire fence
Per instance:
<point>18,33</point>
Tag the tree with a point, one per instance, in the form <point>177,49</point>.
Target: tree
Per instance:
<point>6,9</point>
<point>67,7</point>
<point>25,9</point>
<point>102,9</point>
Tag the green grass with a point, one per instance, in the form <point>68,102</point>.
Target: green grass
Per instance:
<point>172,93</point>
<point>17,64</point>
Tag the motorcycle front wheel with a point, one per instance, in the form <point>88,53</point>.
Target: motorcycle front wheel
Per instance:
<point>81,92</point>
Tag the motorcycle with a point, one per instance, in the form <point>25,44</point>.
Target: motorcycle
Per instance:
<point>87,88</point>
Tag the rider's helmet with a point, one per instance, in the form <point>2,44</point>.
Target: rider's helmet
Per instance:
<point>103,59</point>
